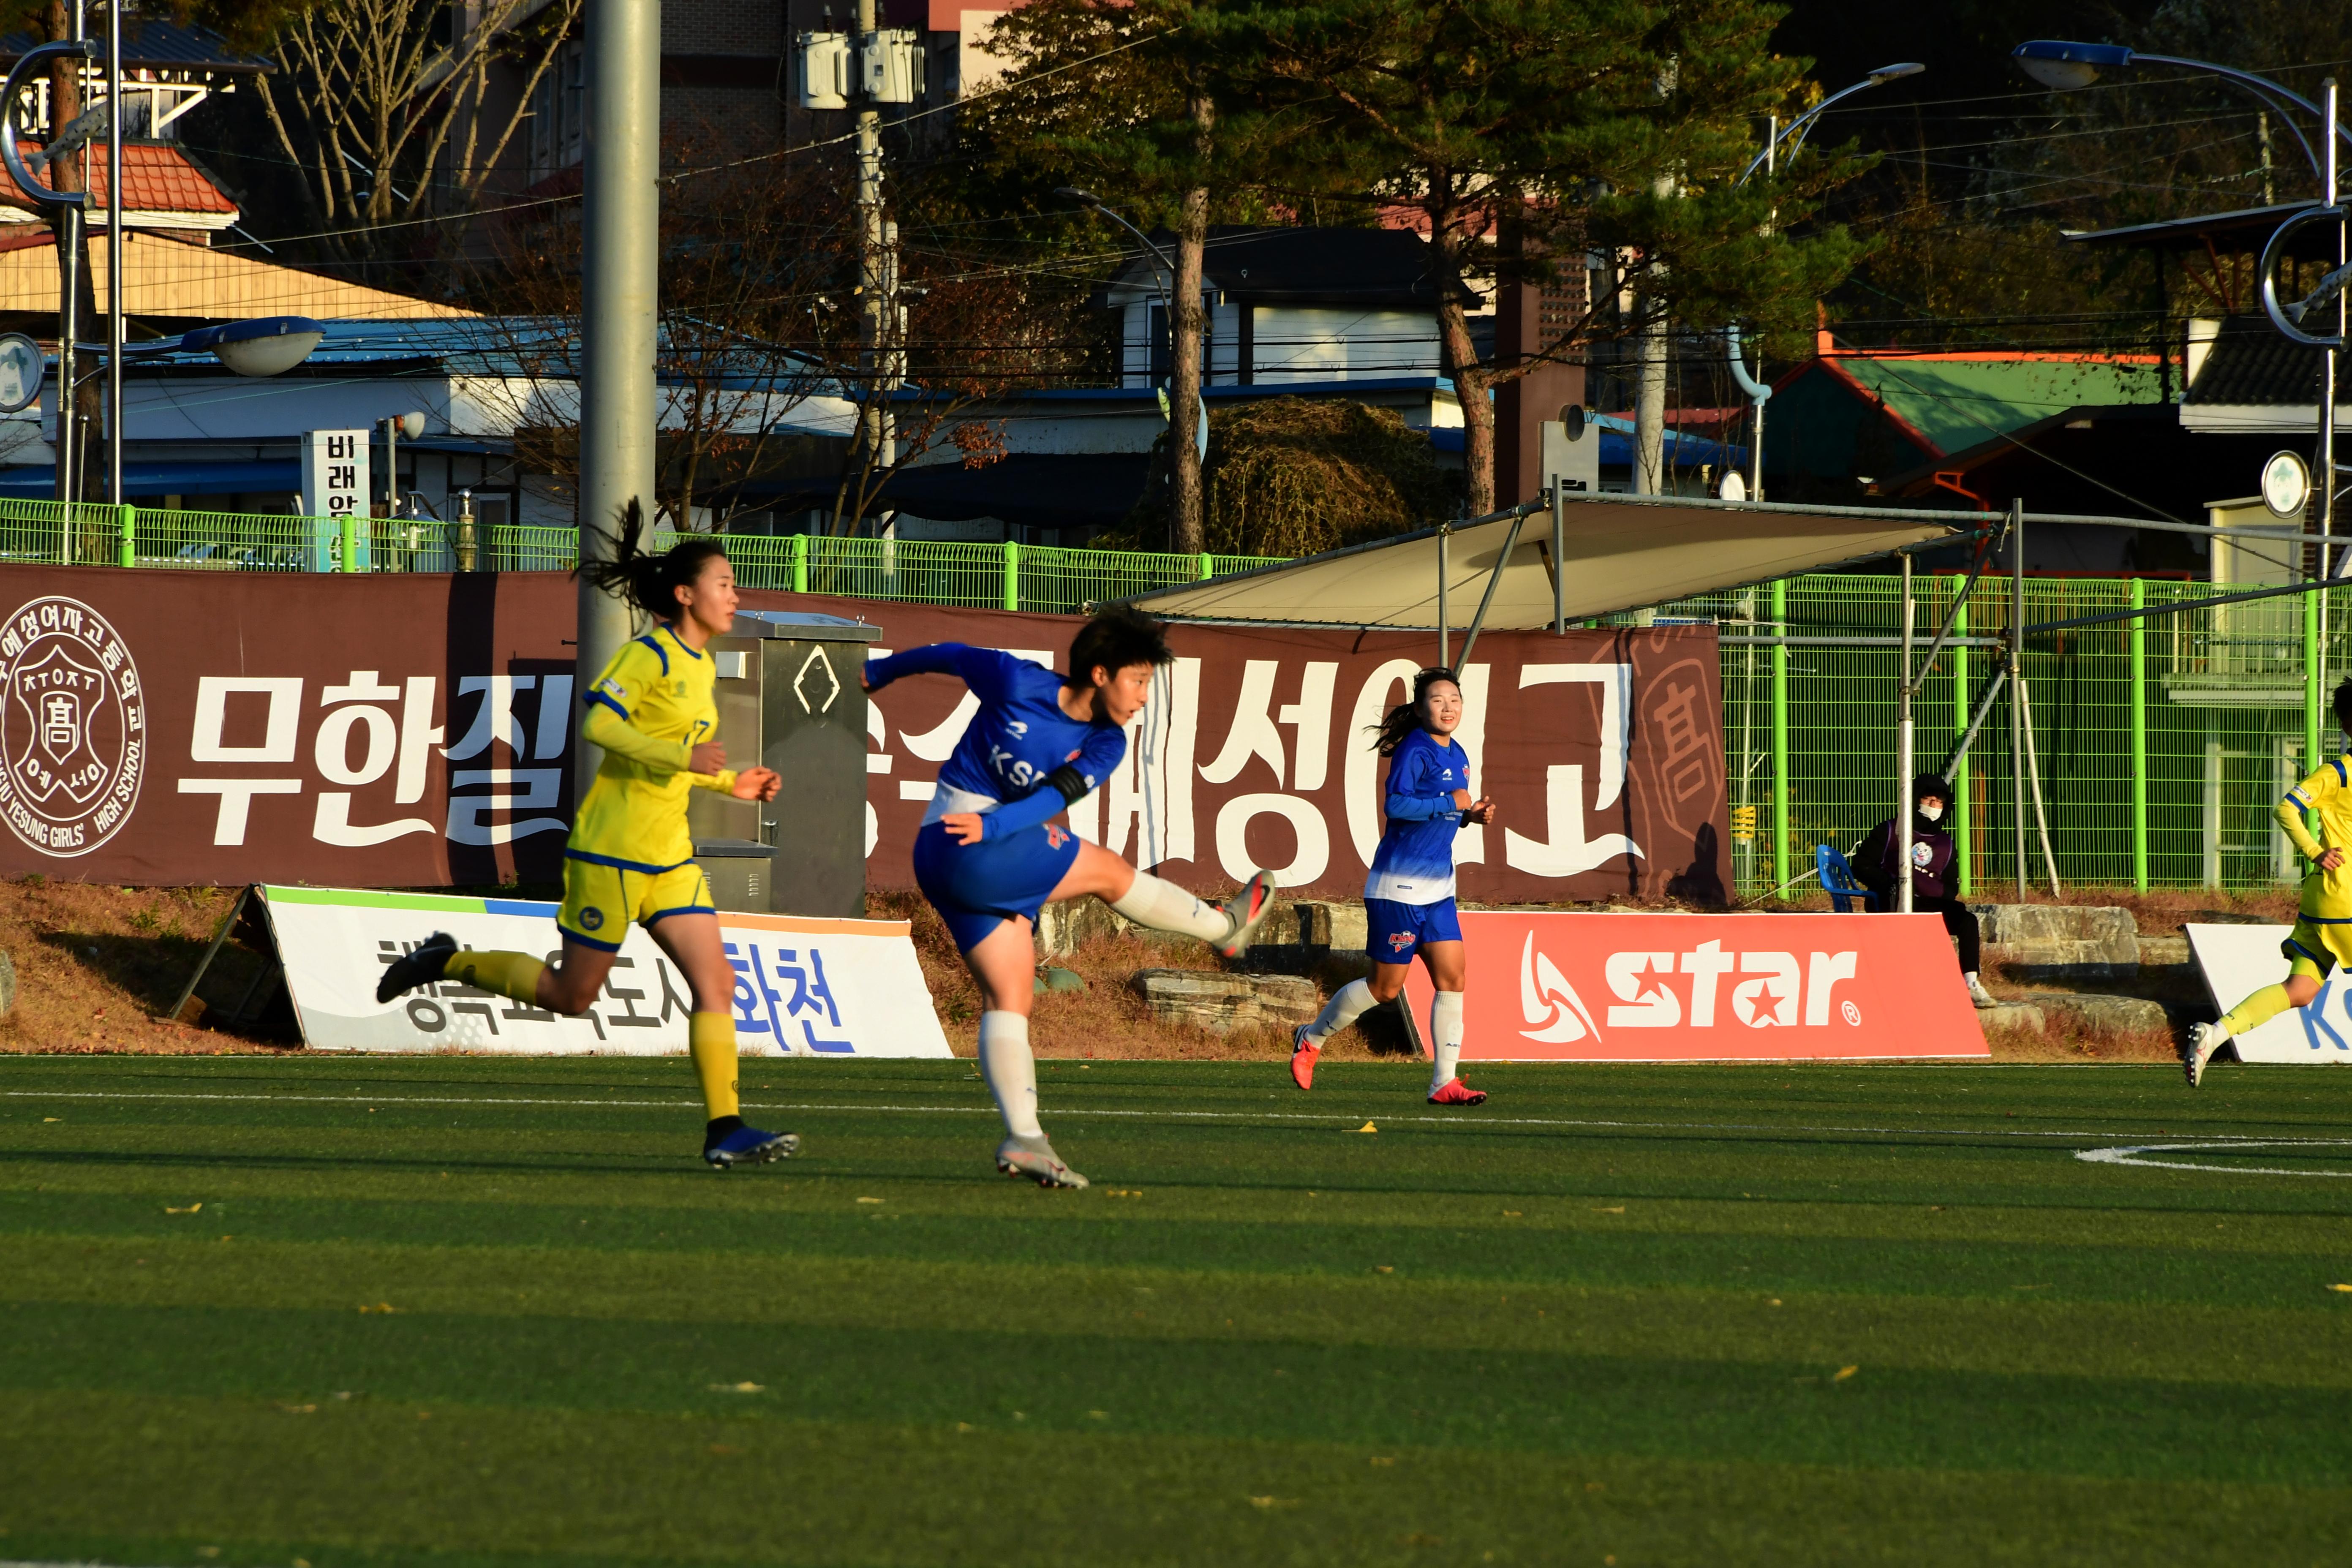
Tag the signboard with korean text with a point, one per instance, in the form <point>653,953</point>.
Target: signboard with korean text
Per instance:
<point>335,487</point>
<point>802,988</point>
<point>413,729</point>
<point>1621,987</point>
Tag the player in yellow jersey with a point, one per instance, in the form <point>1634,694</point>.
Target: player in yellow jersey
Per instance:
<point>2321,937</point>
<point>630,856</point>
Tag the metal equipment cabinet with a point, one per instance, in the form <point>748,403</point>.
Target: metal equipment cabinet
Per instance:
<point>788,697</point>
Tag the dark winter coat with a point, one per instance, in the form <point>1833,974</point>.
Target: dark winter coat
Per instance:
<point>1876,863</point>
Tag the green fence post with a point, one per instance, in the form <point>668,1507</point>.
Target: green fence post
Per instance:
<point>2311,758</point>
<point>126,521</point>
<point>1780,736</point>
<point>1208,566</point>
<point>351,542</point>
<point>2139,737</point>
<point>1011,573</point>
<point>1963,841</point>
<point>800,562</point>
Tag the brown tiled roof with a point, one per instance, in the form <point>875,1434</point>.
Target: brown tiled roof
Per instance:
<point>156,178</point>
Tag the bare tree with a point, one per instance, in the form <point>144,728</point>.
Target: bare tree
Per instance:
<point>380,109</point>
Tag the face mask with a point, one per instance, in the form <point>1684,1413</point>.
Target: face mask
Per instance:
<point>1932,813</point>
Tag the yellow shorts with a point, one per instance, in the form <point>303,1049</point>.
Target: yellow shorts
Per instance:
<point>600,900</point>
<point>2314,947</point>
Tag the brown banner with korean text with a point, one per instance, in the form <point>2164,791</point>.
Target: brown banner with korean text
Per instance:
<point>415,731</point>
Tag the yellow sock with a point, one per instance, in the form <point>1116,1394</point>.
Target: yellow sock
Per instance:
<point>2256,1010</point>
<point>711,1037</point>
<point>514,974</point>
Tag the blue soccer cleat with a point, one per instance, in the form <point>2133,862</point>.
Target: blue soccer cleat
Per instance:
<point>750,1146</point>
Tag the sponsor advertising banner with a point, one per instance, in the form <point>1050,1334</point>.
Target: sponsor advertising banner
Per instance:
<point>416,730</point>
<point>1681,987</point>
<point>2237,960</point>
<point>802,988</point>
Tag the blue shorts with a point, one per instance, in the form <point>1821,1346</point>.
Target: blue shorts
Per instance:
<point>977,887</point>
<point>1397,930</point>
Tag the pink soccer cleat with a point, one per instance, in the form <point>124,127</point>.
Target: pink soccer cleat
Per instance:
<point>1303,1053</point>
<point>1453,1092</point>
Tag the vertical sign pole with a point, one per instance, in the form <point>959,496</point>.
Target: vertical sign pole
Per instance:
<point>114,254</point>
<point>1963,840</point>
<point>2017,686</point>
<point>1903,803</point>
<point>1443,533</point>
<point>2138,645</point>
<point>1781,735</point>
<point>620,241</point>
<point>1558,557</point>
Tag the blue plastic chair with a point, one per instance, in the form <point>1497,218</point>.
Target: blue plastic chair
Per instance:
<point>1838,881</point>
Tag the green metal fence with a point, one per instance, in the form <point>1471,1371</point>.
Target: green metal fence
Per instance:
<point>991,576</point>
<point>2162,745</point>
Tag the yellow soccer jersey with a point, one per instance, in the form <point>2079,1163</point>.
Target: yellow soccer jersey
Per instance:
<point>635,816</point>
<point>2328,795</point>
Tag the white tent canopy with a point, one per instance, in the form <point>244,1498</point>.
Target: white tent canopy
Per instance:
<point>1621,553</point>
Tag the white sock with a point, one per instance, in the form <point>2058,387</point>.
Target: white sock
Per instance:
<point>1346,1004</point>
<point>1164,906</point>
<point>1011,1071</point>
<point>1444,1036</point>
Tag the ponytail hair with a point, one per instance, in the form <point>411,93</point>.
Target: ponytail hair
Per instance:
<point>1406,717</point>
<point>650,580</point>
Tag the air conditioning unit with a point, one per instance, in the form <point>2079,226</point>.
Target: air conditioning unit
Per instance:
<point>890,65</point>
<point>825,71</point>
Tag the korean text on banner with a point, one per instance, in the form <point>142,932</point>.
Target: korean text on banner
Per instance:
<point>2237,960</point>
<point>802,987</point>
<point>1678,987</point>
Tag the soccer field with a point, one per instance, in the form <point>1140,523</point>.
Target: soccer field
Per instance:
<point>459,1310</point>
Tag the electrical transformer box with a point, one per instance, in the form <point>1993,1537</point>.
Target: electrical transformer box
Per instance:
<point>825,71</point>
<point>790,699</point>
<point>891,64</point>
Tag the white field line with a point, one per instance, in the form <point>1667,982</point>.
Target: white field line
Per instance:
<point>2126,1154</point>
<point>1347,1118</point>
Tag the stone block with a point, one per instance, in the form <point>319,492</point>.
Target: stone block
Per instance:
<point>2009,1017</point>
<point>1333,925</point>
<point>1222,1003</point>
<point>8,981</point>
<point>2061,941</point>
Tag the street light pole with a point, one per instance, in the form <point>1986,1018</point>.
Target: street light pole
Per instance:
<point>114,252</point>
<point>620,248</point>
<point>1767,161</point>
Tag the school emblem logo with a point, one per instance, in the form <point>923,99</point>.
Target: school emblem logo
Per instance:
<point>593,918</point>
<point>1057,836</point>
<point>73,727</point>
<point>1399,941</point>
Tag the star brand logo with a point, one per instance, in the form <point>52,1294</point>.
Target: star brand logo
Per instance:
<point>1057,836</point>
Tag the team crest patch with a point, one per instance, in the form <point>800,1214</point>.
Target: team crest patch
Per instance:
<point>1057,836</point>
<point>73,727</point>
<point>594,918</point>
<point>1399,941</point>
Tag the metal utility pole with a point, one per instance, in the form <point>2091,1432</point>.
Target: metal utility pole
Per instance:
<point>620,247</point>
<point>114,253</point>
<point>65,107</point>
<point>876,269</point>
<point>2330,181</point>
<point>1649,396</point>
<point>1903,803</point>
<point>2017,684</point>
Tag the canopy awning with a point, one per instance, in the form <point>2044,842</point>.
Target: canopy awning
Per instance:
<point>1622,553</point>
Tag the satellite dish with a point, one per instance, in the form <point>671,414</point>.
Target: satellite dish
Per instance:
<point>2286,485</point>
<point>1573,416</point>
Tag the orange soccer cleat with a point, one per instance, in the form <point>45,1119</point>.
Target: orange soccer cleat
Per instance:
<point>1453,1092</point>
<point>1302,1059</point>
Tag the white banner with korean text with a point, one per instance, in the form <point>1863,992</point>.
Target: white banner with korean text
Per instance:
<point>802,987</point>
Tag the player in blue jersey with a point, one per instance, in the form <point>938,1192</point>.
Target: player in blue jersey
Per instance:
<point>988,855</point>
<point>1408,896</point>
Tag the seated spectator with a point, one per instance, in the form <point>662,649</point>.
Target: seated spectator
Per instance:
<point>1876,863</point>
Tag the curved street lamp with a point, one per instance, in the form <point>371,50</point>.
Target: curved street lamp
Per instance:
<point>2064,66</point>
<point>1777,137</point>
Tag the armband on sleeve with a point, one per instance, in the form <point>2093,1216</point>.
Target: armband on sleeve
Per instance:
<point>1071,782</point>
<point>2289,817</point>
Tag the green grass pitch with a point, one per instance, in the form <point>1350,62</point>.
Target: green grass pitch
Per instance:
<point>454,1311</point>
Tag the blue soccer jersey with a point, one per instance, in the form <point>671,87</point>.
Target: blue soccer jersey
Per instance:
<point>1414,864</point>
<point>1019,736</point>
